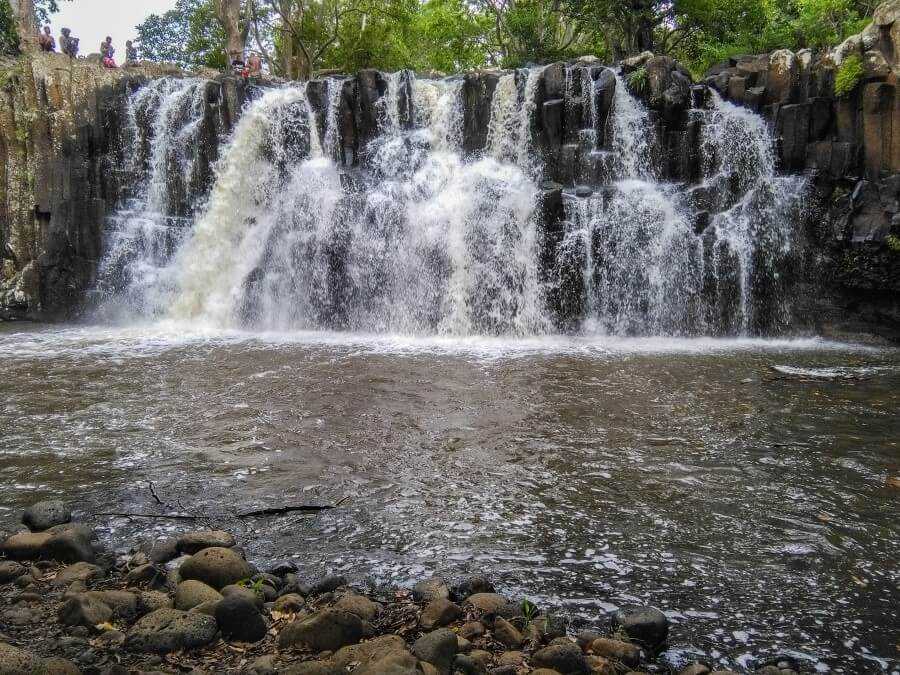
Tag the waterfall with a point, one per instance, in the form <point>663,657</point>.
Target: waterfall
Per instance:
<point>165,120</point>
<point>302,229</point>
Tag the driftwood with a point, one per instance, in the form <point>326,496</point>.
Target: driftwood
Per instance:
<point>273,511</point>
<point>277,511</point>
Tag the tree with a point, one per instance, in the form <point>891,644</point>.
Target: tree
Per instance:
<point>188,35</point>
<point>229,15</point>
<point>25,17</point>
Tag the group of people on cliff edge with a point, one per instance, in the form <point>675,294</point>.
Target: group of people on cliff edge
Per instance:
<point>69,45</point>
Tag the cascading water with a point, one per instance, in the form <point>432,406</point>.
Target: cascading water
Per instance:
<point>422,238</point>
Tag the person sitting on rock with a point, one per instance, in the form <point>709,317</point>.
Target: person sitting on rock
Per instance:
<point>67,44</point>
<point>131,53</point>
<point>254,66</point>
<point>108,52</point>
<point>46,41</point>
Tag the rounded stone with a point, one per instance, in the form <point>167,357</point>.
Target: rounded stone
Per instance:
<point>46,514</point>
<point>14,660</point>
<point>217,567</point>
<point>437,648</point>
<point>82,610</point>
<point>645,625</point>
<point>169,630</point>
<point>194,542</point>
<point>191,593</point>
<point>359,605</point>
<point>243,592</point>
<point>492,603</point>
<point>239,619</point>
<point>565,658</point>
<point>440,612</point>
<point>326,631</point>
<point>10,571</point>
<point>291,603</point>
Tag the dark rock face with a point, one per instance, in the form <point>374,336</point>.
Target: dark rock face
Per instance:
<point>44,515</point>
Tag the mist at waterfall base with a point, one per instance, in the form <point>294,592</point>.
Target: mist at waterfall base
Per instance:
<point>606,427</point>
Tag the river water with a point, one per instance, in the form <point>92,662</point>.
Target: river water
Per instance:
<point>741,485</point>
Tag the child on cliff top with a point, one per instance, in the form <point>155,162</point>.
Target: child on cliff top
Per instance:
<point>46,41</point>
<point>131,54</point>
<point>108,52</point>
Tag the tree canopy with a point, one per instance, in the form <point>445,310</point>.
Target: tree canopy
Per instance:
<point>299,38</point>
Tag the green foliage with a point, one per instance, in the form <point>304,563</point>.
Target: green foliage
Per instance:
<point>848,75</point>
<point>637,80</point>
<point>529,610</point>
<point>9,38</point>
<point>188,35</point>
<point>255,586</point>
<point>893,243</point>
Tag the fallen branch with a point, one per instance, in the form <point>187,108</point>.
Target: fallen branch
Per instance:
<point>277,511</point>
<point>156,516</point>
<point>155,496</point>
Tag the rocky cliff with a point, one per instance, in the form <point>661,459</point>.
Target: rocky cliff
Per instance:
<point>63,155</point>
<point>66,137</point>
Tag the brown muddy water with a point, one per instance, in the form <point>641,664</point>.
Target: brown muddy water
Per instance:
<point>742,486</point>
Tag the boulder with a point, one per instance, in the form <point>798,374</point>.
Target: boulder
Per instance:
<point>163,551</point>
<point>564,658</point>
<point>243,592</point>
<point>82,571</point>
<point>25,545</point>
<point>369,652</point>
<point>647,626</point>
<point>400,663</point>
<point>438,648</point>
<point>328,584</point>
<point>194,542</point>
<point>478,583</point>
<point>507,634</point>
<point>148,574</point>
<point>69,544</point>
<point>46,514</point>
<point>290,603</point>
<point>169,630</point>
<point>359,605</point>
<point>10,570</point>
<point>191,593</point>
<point>430,589</point>
<point>625,652</point>
<point>217,567</point>
<point>81,610</point>
<point>439,613</point>
<point>328,630</point>
<point>150,601</point>
<point>493,603</point>
<point>15,661</point>
<point>239,619</point>
<point>313,668</point>
<point>471,630</point>
<point>59,666</point>
<point>124,604</point>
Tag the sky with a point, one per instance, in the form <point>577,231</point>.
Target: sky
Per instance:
<point>93,20</point>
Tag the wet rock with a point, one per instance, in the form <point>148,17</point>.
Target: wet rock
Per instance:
<point>328,584</point>
<point>493,603</point>
<point>25,545</point>
<point>194,542</point>
<point>15,661</point>
<point>82,571</point>
<point>602,666</point>
<point>150,601</point>
<point>208,608</point>
<point>437,648</point>
<point>361,606</point>
<point>289,604</point>
<point>507,634</point>
<point>217,567</point>
<point>249,595</point>
<point>82,610</point>
<point>124,604</point>
<point>163,550</point>
<point>565,658</point>
<point>326,631</point>
<point>191,593</point>
<point>511,659</point>
<point>617,650</point>
<point>466,665</point>
<point>24,581</point>
<point>110,639</point>
<point>10,570</point>
<point>645,625</point>
<point>431,589</point>
<point>44,515</point>
<point>440,612</point>
<point>70,544</point>
<point>368,652</point>
<point>239,619</point>
<point>470,586</point>
<point>168,630</point>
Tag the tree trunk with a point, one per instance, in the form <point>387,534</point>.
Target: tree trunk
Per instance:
<point>230,17</point>
<point>26,24</point>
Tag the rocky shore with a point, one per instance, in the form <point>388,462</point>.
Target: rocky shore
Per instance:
<point>194,604</point>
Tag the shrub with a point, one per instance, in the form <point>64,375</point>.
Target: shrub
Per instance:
<point>849,74</point>
<point>637,80</point>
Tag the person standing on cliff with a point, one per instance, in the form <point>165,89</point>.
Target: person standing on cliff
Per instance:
<point>46,41</point>
<point>131,53</point>
<point>254,66</point>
